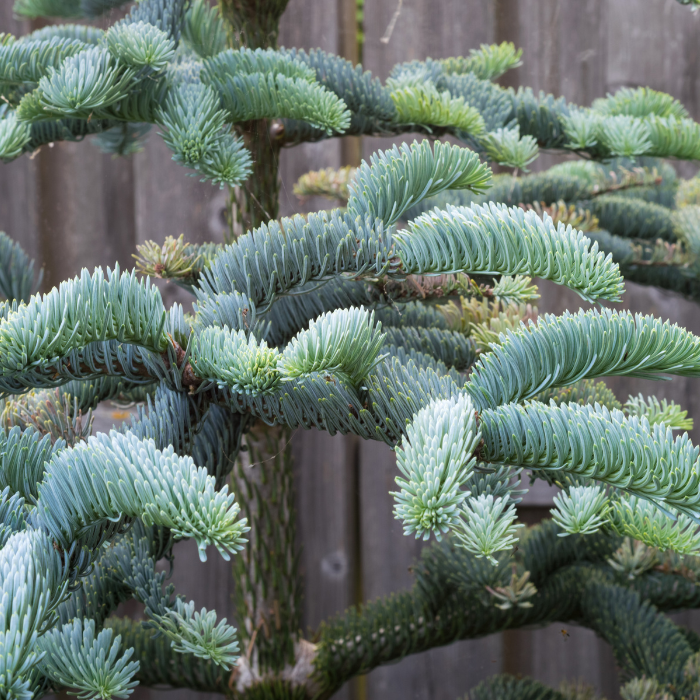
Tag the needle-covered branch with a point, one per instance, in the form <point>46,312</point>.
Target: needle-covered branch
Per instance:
<point>134,480</point>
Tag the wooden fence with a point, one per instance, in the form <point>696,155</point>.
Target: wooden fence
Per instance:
<point>74,207</point>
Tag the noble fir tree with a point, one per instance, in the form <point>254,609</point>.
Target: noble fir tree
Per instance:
<point>406,316</point>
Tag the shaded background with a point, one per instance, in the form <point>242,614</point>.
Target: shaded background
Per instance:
<point>71,207</point>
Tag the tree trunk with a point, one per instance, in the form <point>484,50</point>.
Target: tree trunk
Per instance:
<point>255,25</point>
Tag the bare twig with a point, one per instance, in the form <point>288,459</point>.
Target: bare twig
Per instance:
<point>390,29</point>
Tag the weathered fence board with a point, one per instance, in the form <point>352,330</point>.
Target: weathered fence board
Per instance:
<point>169,201</point>
<point>421,28</point>
<point>85,212</point>
<point>325,466</point>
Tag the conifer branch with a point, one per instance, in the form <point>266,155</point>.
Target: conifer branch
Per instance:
<point>517,243</point>
<point>18,280</point>
<point>572,347</point>
<point>156,485</point>
<point>82,311</point>
<point>595,443</point>
<point>74,656</point>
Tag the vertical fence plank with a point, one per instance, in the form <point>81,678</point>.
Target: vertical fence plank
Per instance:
<point>325,466</point>
<point>18,205</point>
<point>564,50</point>
<point>169,200</point>
<point>563,45</point>
<point>564,53</point>
<point>422,29</point>
<point>437,30</point>
<point>325,484</point>
<point>562,652</point>
<point>655,45</point>
<point>78,189</point>
<point>306,26</point>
